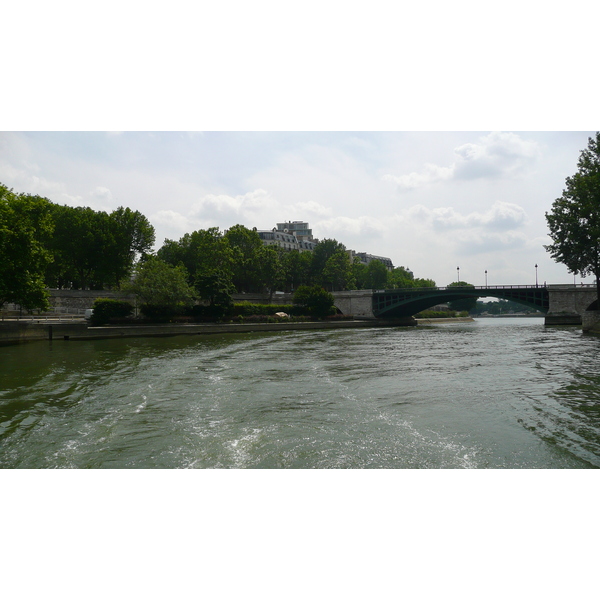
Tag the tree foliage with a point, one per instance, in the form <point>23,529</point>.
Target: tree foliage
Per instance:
<point>463,304</point>
<point>96,249</point>
<point>574,220</point>
<point>337,273</point>
<point>108,308</point>
<point>25,226</point>
<point>160,285</point>
<point>316,301</point>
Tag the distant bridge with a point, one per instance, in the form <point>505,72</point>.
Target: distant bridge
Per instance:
<point>393,304</point>
<point>562,304</point>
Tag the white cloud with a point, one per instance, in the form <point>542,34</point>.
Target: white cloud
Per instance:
<point>430,174</point>
<point>495,155</point>
<point>171,220</point>
<point>501,216</point>
<point>340,226</point>
<point>311,208</point>
<point>472,242</point>
<point>249,206</point>
<point>102,194</point>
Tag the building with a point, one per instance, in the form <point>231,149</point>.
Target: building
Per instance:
<point>297,235</point>
<point>292,235</point>
<point>365,259</point>
<point>298,228</point>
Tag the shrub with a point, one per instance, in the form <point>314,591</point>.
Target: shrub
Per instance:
<point>158,313</point>
<point>202,313</point>
<point>435,314</point>
<point>106,309</point>
<point>314,300</point>
<point>246,309</point>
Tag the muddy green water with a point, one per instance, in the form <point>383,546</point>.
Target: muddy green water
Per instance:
<point>495,393</point>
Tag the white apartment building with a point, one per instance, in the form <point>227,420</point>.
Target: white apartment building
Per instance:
<point>297,235</point>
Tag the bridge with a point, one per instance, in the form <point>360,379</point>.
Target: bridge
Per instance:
<point>394,304</point>
<point>561,304</point>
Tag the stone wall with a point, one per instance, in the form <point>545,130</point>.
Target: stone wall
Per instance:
<point>568,303</point>
<point>358,303</point>
<point>590,321</point>
<point>570,299</point>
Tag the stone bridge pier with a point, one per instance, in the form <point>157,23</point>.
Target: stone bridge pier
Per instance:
<point>358,303</point>
<point>571,305</point>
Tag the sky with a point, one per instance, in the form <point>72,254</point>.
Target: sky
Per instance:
<point>436,134</point>
<point>434,202</point>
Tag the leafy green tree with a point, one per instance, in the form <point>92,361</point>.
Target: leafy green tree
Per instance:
<point>271,269</point>
<point>420,282</point>
<point>96,249</point>
<point>201,252</point>
<point>246,246</point>
<point>107,308</point>
<point>323,251</point>
<point>160,285</point>
<point>214,287</point>
<point>359,272</point>
<point>399,277</point>
<point>296,269</point>
<point>574,220</point>
<point>377,275</point>
<point>208,260</point>
<point>25,224</point>
<point>337,273</point>
<point>316,301</point>
<point>132,237</point>
<point>77,246</point>
<point>463,304</point>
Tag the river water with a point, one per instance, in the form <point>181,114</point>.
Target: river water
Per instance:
<point>494,393</point>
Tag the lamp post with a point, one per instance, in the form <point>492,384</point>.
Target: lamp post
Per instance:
<point>458,274</point>
<point>486,278</point>
<point>536,279</point>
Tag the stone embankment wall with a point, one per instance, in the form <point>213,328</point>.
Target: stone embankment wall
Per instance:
<point>358,303</point>
<point>15,332</point>
<point>569,303</point>
<point>79,300</point>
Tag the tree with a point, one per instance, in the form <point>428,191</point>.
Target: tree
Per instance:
<point>315,300</point>
<point>574,220</point>
<point>96,249</point>
<point>271,269</point>
<point>337,273</point>
<point>132,236</point>
<point>247,247</point>
<point>323,251</point>
<point>25,224</point>
<point>377,275</point>
<point>359,272</point>
<point>464,304</point>
<point>208,260</point>
<point>161,286</point>
<point>296,269</point>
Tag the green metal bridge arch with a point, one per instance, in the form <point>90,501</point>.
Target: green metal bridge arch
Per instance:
<point>391,304</point>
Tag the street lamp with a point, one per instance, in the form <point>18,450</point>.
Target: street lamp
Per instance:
<point>458,274</point>
<point>486,278</point>
<point>536,279</point>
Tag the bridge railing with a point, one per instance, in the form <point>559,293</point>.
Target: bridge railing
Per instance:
<point>454,288</point>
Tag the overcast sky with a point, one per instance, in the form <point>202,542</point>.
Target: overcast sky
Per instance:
<point>437,135</point>
<point>430,201</point>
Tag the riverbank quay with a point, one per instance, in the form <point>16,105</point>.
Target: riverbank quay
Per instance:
<point>20,331</point>
<point>443,320</point>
